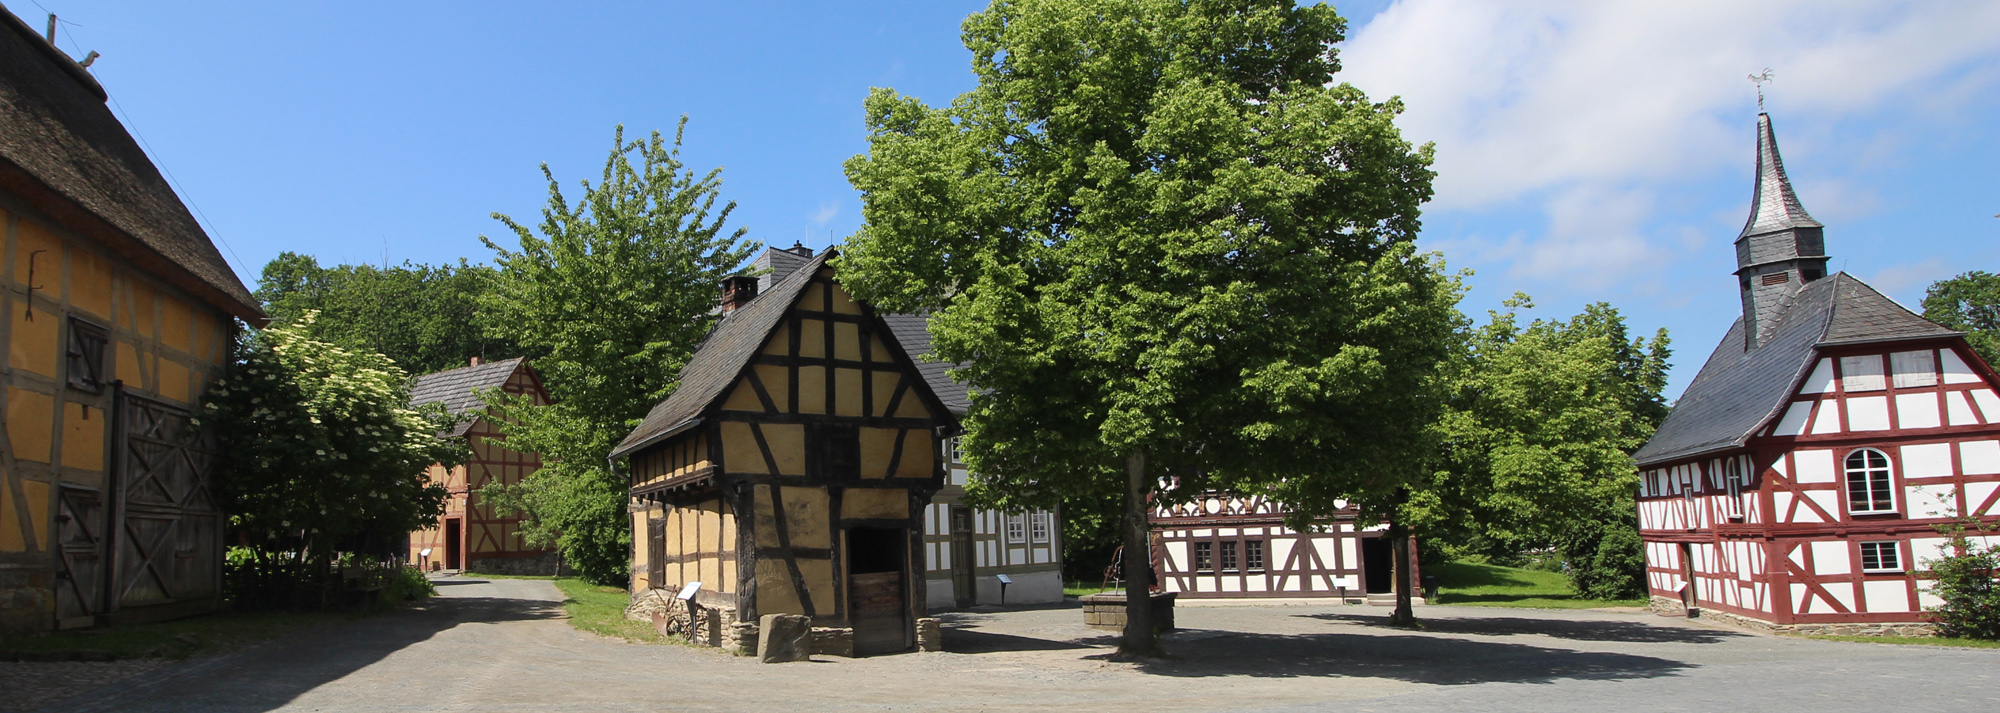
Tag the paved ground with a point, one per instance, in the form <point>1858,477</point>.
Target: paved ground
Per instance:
<point>502,646</point>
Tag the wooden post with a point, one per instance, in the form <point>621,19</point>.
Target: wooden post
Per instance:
<point>1140,638</point>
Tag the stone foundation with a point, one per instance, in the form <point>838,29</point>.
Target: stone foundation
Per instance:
<point>1106,610</point>
<point>713,621</point>
<point>1670,606</point>
<point>831,641</point>
<point>930,634</point>
<point>542,565</point>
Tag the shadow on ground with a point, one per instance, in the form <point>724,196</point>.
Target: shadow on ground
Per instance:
<point>267,676</point>
<point>1575,630</point>
<point>1415,658</point>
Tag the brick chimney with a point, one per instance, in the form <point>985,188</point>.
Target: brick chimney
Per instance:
<point>737,291</point>
<point>476,361</point>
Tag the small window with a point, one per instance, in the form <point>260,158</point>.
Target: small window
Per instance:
<point>1038,527</point>
<point>1733,477</point>
<point>1016,530</point>
<point>1861,373</point>
<point>1775,278</point>
<point>1229,556</point>
<point>840,451</point>
<point>1881,557</point>
<point>86,355</point>
<point>1869,486</point>
<point>1253,555</point>
<point>1913,369</point>
<point>951,452</point>
<point>1203,559</point>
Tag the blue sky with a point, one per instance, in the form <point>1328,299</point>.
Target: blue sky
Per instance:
<point>1588,151</point>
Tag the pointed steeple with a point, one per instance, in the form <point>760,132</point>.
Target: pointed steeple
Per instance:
<point>1781,247</point>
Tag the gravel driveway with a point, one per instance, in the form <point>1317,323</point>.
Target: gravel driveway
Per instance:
<point>501,645</point>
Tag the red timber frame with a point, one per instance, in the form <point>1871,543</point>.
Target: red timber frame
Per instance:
<point>1330,563</point>
<point>1784,521</point>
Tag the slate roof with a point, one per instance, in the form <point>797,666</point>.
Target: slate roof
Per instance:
<point>63,151</point>
<point>459,389</point>
<point>913,331</point>
<point>1773,205</point>
<point>1738,391</point>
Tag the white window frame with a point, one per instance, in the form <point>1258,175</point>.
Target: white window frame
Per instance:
<point>1887,472</point>
<point>1017,529</point>
<point>1891,564</point>
<point>1038,527</point>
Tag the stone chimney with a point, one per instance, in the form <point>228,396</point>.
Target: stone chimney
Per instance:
<point>737,291</point>
<point>1780,249</point>
<point>476,361</point>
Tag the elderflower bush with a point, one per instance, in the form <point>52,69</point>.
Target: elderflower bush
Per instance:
<point>319,453</point>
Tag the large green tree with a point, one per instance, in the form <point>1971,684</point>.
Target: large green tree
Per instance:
<point>1171,255</point>
<point>1969,303</point>
<point>425,318</point>
<point>319,453</point>
<point>1535,447</point>
<point>611,297</point>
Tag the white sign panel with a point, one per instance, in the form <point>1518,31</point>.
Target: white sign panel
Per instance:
<point>687,592</point>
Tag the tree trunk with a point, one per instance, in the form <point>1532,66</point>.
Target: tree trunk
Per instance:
<point>1399,540</point>
<point>1140,639</point>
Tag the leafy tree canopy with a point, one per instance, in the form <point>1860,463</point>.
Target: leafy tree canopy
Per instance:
<point>612,296</point>
<point>319,452</point>
<point>1536,444</point>
<point>1969,303</point>
<point>425,318</point>
<point>1163,244</point>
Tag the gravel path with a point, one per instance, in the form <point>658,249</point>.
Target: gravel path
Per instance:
<point>501,645</point>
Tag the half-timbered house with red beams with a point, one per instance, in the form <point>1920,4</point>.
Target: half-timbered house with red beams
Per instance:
<point>471,536</point>
<point>1225,545</point>
<point>1798,480</point>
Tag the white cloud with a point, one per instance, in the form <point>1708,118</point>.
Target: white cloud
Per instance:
<point>1910,277</point>
<point>1586,110</point>
<point>826,213</point>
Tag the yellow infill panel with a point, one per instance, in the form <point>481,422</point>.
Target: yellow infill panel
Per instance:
<point>812,338</point>
<point>788,446</point>
<point>917,459</point>
<point>887,503</point>
<point>30,424</point>
<point>777,383</point>
<point>176,325</point>
<point>34,347</point>
<point>847,392</point>
<point>83,437</point>
<point>90,284</point>
<point>739,449</point>
<point>878,445</point>
<point>847,341</point>
<point>812,389</point>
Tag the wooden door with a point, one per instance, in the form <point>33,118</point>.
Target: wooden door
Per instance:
<point>964,586</point>
<point>167,545</point>
<point>877,607</point>
<point>80,544</point>
<point>1688,597</point>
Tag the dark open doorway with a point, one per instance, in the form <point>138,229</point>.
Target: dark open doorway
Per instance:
<point>1377,565</point>
<point>451,540</point>
<point>875,574</point>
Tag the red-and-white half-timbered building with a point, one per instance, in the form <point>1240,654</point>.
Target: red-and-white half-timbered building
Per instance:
<point>471,536</point>
<point>1225,545</point>
<point>1798,481</point>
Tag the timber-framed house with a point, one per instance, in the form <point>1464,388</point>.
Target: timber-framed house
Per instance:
<point>1229,546</point>
<point>1798,480</point>
<point>471,536</point>
<point>789,471</point>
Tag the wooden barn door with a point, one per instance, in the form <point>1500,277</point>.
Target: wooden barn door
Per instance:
<point>964,586</point>
<point>875,586</point>
<point>168,538</point>
<point>80,544</point>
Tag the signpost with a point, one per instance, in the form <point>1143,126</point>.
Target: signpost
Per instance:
<point>1004,581</point>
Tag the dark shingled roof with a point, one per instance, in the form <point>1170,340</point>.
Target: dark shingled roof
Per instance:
<point>1737,392</point>
<point>63,151</point>
<point>721,357</point>
<point>459,389</point>
<point>1773,205</point>
<point>913,331</point>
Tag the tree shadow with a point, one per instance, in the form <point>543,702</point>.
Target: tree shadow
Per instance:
<point>960,640</point>
<point>1460,575</point>
<point>269,675</point>
<point>1633,632</point>
<point>1414,658</point>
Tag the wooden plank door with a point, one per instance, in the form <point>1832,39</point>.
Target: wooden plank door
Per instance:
<point>964,585</point>
<point>80,531</point>
<point>876,582</point>
<point>167,542</point>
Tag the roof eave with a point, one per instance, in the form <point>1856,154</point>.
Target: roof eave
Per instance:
<point>642,444</point>
<point>1882,340</point>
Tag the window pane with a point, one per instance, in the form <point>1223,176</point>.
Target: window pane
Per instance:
<point>1228,556</point>
<point>1253,555</point>
<point>1870,557</point>
<point>1862,373</point>
<point>1913,369</point>
<point>1201,557</point>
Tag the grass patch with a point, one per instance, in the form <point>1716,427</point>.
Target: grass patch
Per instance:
<point>601,610</point>
<point>1912,640</point>
<point>1486,585</point>
<point>181,638</point>
<point>1078,589</point>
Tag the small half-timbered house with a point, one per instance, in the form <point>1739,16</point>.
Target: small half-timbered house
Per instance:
<point>1797,481</point>
<point>471,536</point>
<point>789,471</point>
<point>117,311</point>
<point>1224,545</point>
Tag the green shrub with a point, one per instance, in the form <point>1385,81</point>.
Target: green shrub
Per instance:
<point>1611,565</point>
<point>1965,581</point>
<point>405,584</point>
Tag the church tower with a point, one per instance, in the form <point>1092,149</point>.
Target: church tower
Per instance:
<point>1780,249</point>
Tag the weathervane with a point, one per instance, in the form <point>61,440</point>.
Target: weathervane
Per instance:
<point>1761,79</point>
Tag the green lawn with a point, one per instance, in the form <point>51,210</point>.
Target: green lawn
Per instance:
<point>1916,640</point>
<point>1078,589</point>
<point>601,611</point>
<point>1486,585</point>
<point>181,638</point>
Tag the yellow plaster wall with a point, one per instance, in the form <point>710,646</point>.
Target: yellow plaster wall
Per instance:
<point>843,303</point>
<point>90,284</point>
<point>812,389</point>
<point>128,369</point>
<point>878,445</point>
<point>847,341</point>
<point>875,503</point>
<point>739,449</point>
<point>34,346</point>
<point>777,380</point>
<point>847,392</point>
<point>780,342</point>
<point>83,437</point>
<point>34,494</point>
<point>28,240</point>
<point>30,424</point>
<point>884,383</point>
<point>743,397</point>
<point>918,455</point>
<point>775,594</point>
<point>176,325</point>
<point>812,338</point>
<point>878,351</point>
<point>788,446</point>
<point>174,383</point>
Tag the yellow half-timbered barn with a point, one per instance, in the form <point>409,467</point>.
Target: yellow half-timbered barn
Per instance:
<point>789,471</point>
<point>471,536</point>
<point>117,312</point>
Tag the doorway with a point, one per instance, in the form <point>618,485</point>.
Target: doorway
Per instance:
<point>1378,565</point>
<point>1689,600</point>
<point>875,565</point>
<point>451,543</point>
<point>964,587</point>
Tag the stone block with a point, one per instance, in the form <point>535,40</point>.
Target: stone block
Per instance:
<point>784,637</point>
<point>930,634</point>
<point>1106,610</point>
<point>833,641</point>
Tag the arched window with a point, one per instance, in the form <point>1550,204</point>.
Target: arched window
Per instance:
<point>1869,487</point>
